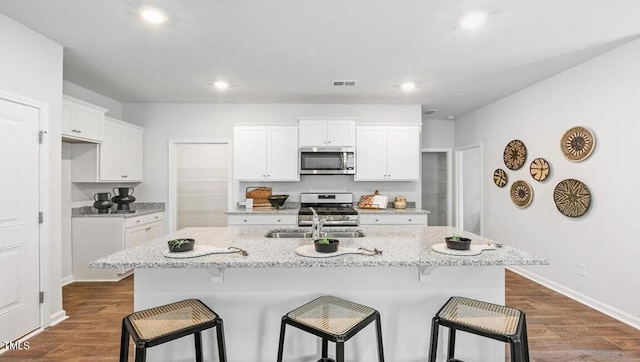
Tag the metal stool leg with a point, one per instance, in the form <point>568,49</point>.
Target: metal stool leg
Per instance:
<point>325,348</point>
<point>222,350</point>
<point>198,343</point>
<point>339,351</point>
<point>141,354</point>
<point>379,335</point>
<point>124,343</point>
<point>452,344</point>
<point>281,343</point>
<point>433,345</point>
<point>525,340</point>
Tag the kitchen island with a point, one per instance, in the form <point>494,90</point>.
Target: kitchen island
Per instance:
<point>407,283</point>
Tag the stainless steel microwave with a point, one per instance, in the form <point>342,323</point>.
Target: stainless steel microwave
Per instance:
<point>327,161</point>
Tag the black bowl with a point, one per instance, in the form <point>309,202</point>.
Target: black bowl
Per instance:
<point>277,200</point>
<point>458,243</point>
<point>180,245</point>
<point>332,247</point>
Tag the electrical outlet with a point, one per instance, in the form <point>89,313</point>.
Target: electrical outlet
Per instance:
<point>582,269</point>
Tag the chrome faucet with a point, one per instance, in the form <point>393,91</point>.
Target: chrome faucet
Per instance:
<point>316,224</point>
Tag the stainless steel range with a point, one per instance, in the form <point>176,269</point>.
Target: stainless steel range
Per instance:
<point>336,208</point>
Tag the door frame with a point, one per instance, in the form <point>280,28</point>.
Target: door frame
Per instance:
<point>172,196</point>
<point>449,156</point>
<point>458,187</point>
<point>44,251</point>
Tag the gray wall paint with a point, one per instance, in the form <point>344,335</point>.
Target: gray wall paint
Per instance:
<point>600,94</point>
<point>215,121</point>
<point>31,66</point>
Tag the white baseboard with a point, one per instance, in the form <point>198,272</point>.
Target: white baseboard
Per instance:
<point>57,317</point>
<point>581,298</point>
<point>67,280</point>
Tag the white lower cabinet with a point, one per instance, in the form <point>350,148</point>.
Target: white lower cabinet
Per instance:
<point>393,219</point>
<point>250,219</point>
<point>97,237</point>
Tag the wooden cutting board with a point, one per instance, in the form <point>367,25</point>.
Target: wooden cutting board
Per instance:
<point>260,196</point>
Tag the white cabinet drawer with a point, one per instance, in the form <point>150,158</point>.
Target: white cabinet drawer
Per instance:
<point>393,219</point>
<point>143,219</point>
<point>247,219</point>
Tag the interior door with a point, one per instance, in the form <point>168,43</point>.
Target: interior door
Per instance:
<point>19,226</point>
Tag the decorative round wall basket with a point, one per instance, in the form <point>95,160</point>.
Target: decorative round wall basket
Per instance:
<point>572,198</point>
<point>521,193</point>
<point>514,155</point>
<point>539,169</point>
<point>500,177</point>
<point>577,144</point>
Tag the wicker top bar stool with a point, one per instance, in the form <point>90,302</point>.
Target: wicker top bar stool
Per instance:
<point>155,326</point>
<point>332,319</point>
<point>490,320</point>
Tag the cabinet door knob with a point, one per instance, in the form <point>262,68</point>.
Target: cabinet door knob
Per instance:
<point>147,229</point>
<point>125,176</point>
<point>245,220</point>
<point>409,220</point>
<point>278,220</point>
<point>137,221</point>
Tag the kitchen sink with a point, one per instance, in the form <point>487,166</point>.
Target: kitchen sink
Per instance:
<point>301,233</point>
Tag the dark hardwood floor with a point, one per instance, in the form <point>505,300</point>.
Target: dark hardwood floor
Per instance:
<point>560,329</point>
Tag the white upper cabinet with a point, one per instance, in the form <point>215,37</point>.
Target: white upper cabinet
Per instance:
<point>387,153</point>
<point>118,158</point>
<point>81,121</point>
<point>327,133</point>
<point>121,152</point>
<point>265,153</point>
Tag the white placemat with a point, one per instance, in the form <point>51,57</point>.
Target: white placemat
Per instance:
<point>473,249</point>
<point>198,250</point>
<point>310,251</point>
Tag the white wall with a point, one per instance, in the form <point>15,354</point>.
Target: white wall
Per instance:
<point>76,91</point>
<point>215,121</point>
<point>31,66</point>
<point>438,133</point>
<point>601,94</point>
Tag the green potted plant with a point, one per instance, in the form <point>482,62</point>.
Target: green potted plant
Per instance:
<point>180,245</point>
<point>326,244</point>
<point>457,242</point>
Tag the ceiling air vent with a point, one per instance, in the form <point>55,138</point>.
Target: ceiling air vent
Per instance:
<point>429,111</point>
<point>343,83</point>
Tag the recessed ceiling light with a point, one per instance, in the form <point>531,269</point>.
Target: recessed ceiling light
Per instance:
<point>473,20</point>
<point>153,16</point>
<point>408,86</point>
<point>221,85</point>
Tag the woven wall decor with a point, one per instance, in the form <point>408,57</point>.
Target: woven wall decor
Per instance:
<point>577,144</point>
<point>500,177</point>
<point>572,198</point>
<point>539,169</point>
<point>515,154</point>
<point>521,193</point>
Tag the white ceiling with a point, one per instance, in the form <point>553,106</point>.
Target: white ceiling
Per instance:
<point>289,51</point>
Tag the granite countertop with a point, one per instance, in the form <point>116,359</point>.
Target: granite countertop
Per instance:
<point>401,245</point>
<point>390,210</point>
<point>245,211</point>
<point>139,208</point>
<point>293,208</point>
